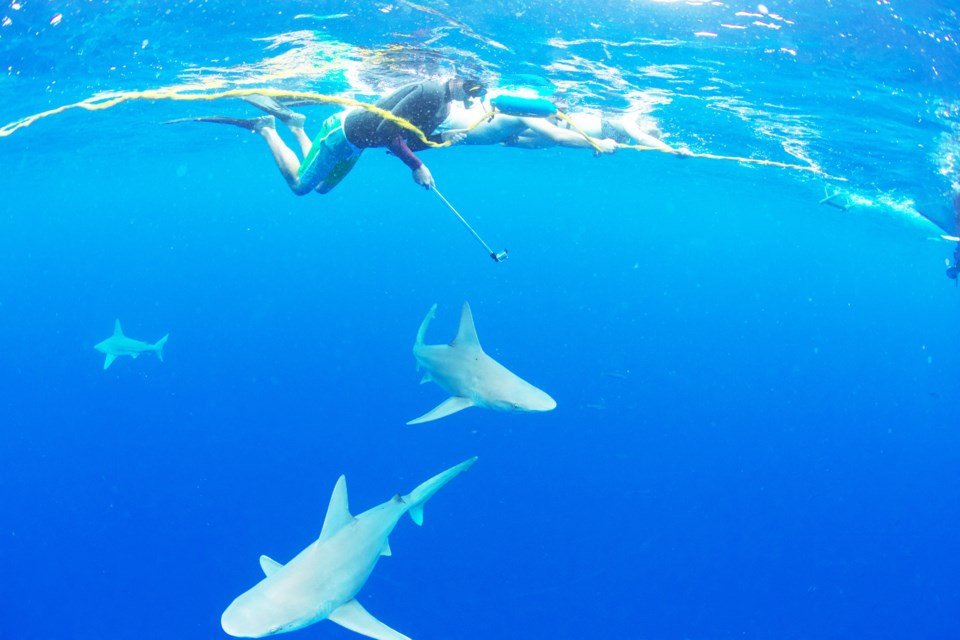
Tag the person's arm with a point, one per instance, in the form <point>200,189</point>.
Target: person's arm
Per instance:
<point>641,137</point>
<point>421,175</point>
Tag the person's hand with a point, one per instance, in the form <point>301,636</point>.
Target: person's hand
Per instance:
<point>454,136</point>
<point>606,146</point>
<point>423,177</point>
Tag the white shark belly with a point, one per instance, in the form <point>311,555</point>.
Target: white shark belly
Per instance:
<point>484,382</point>
<point>453,373</point>
<point>332,573</point>
<point>130,347</point>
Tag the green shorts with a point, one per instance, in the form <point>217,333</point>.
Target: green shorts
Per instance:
<point>331,157</point>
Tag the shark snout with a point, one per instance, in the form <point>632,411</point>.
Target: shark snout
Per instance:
<point>233,624</point>
<point>239,622</point>
<point>541,401</point>
<point>530,400</point>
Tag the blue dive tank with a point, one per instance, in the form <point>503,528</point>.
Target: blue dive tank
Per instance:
<point>524,107</point>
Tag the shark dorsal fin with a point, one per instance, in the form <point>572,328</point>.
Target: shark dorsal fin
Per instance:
<point>467,333</point>
<point>338,511</point>
<point>269,565</point>
<point>117,331</point>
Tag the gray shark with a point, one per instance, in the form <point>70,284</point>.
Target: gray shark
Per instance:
<point>470,376</point>
<point>322,581</point>
<point>120,345</point>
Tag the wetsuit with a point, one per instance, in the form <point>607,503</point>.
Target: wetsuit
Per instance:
<point>424,104</point>
<point>344,136</point>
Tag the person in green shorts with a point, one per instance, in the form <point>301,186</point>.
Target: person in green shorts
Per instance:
<point>330,156</point>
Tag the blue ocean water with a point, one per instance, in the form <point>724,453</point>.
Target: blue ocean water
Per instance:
<point>756,433</point>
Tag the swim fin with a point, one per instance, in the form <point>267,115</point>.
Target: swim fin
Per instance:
<point>251,124</point>
<point>275,108</point>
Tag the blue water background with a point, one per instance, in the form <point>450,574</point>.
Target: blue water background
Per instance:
<point>756,433</point>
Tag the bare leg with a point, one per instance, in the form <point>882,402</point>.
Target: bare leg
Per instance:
<point>287,161</point>
<point>296,128</point>
<point>302,139</point>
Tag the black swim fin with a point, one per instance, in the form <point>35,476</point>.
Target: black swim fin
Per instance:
<point>275,108</point>
<point>251,124</point>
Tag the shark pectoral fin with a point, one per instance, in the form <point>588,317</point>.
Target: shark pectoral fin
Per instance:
<point>109,360</point>
<point>269,565</point>
<point>467,333</point>
<point>445,408</point>
<point>338,511</point>
<point>351,615</point>
<point>426,378</point>
<point>386,549</point>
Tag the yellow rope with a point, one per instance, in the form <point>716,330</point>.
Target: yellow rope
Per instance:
<point>710,156</point>
<point>673,152</point>
<point>573,126</point>
<point>98,104</point>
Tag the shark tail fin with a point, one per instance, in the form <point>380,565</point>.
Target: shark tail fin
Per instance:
<point>158,347</point>
<point>425,491</point>
<point>422,333</point>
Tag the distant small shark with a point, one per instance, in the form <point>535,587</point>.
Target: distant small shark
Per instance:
<point>470,376</point>
<point>120,345</point>
<point>322,581</point>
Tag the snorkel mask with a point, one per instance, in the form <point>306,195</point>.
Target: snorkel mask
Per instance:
<point>471,88</point>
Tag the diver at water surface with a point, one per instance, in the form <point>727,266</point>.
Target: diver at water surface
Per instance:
<point>330,156</point>
<point>600,132</point>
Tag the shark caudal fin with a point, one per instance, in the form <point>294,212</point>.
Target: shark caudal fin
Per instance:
<point>158,347</point>
<point>425,491</point>
<point>422,333</point>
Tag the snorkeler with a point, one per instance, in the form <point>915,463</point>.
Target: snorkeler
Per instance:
<point>343,137</point>
<point>525,132</point>
<point>633,128</point>
<point>529,132</point>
